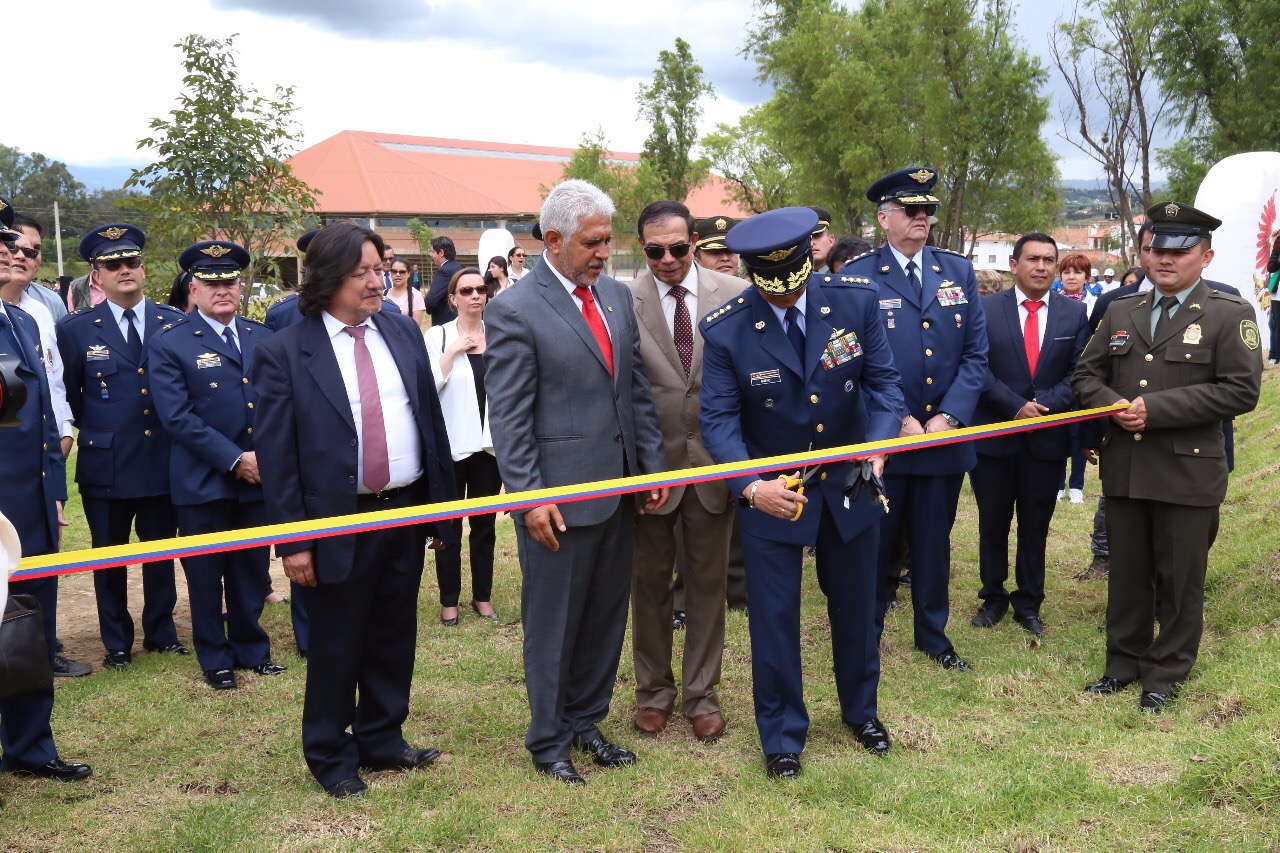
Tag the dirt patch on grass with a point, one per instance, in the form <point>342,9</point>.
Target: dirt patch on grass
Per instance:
<point>346,827</point>
<point>1224,713</point>
<point>221,788</point>
<point>1138,774</point>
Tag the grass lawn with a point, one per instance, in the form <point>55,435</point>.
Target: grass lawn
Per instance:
<point>1010,756</point>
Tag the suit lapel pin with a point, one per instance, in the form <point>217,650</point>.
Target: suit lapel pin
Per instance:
<point>760,325</point>
<point>213,384</point>
<point>609,308</point>
<point>1195,305</point>
<point>825,310</point>
<point>1143,302</point>
<point>937,269</point>
<point>98,321</point>
<point>884,268</point>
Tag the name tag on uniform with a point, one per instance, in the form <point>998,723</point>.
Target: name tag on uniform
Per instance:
<point>208,359</point>
<point>888,304</point>
<point>950,294</point>
<point>1119,339</point>
<point>97,352</point>
<point>766,377</point>
<point>841,350</point>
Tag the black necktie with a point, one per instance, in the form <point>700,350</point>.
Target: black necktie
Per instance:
<point>131,337</point>
<point>794,334</point>
<point>1162,319</point>
<point>230,339</point>
<point>911,275</point>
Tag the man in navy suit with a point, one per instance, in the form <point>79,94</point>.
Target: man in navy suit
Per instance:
<point>1035,338</point>
<point>938,332</point>
<point>35,486</point>
<point>443,255</point>
<point>200,365</point>
<point>349,422</point>
<point>801,361</point>
<point>123,462</point>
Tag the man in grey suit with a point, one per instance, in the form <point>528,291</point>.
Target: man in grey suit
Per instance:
<point>670,297</point>
<point>570,403</point>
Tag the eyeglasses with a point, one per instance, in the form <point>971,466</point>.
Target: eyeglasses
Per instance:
<point>399,272</point>
<point>468,291</point>
<point>914,210</point>
<point>30,253</point>
<point>115,265</point>
<point>519,255</point>
<point>656,253</point>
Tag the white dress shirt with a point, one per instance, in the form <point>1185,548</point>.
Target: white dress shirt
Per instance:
<point>52,361</point>
<point>404,445</point>
<point>668,302</point>
<point>571,287</point>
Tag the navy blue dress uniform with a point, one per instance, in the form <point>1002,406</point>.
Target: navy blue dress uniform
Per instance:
<point>1022,471</point>
<point>761,398</point>
<point>938,333</point>
<point>34,481</point>
<point>1165,480</point>
<point>206,401</point>
<point>122,465</point>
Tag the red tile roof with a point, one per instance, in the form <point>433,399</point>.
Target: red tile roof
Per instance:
<point>386,174</point>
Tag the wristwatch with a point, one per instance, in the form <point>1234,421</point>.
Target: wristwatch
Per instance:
<point>952,420</point>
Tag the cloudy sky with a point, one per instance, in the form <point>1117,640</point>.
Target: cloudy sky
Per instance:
<point>538,73</point>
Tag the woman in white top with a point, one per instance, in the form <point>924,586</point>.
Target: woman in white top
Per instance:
<point>456,350</point>
<point>496,276</point>
<point>406,298</point>
<point>515,263</point>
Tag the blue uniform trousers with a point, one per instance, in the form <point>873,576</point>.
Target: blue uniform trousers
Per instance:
<point>242,575</point>
<point>109,522</point>
<point>847,576</point>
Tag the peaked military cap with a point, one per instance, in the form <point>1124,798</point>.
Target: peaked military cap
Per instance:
<point>712,231</point>
<point>214,260</point>
<point>1179,226</point>
<point>113,241</point>
<point>824,220</point>
<point>913,185</point>
<point>775,248</point>
<point>305,240</point>
<point>6,216</point>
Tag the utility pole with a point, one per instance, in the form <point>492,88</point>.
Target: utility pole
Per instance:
<point>57,233</point>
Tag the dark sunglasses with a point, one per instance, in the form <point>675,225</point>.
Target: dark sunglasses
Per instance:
<point>29,252</point>
<point>399,272</point>
<point>467,291</point>
<point>519,254</point>
<point>114,266</point>
<point>655,253</point>
<point>914,210</point>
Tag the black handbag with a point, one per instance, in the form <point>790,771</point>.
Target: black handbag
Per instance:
<point>24,657</point>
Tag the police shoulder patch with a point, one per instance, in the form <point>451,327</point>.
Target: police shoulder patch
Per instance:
<point>1249,334</point>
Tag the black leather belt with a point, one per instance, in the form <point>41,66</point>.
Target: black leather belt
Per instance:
<point>386,495</point>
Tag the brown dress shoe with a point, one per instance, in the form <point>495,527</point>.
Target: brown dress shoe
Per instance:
<point>651,721</point>
<point>708,727</point>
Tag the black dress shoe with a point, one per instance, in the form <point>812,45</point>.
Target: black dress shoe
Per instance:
<point>448,623</point>
<point>782,765</point>
<point>1030,624</point>
<point>269,668</point>
<point>986,617</point>
<point>1106,685</point>
<point>561,771</point>
<point>1154,702</point>
<point>172,648</point>
<point>220,679</point>
<point>352,787</point>
<point>56,769</point>
<point>117,660</point>
<point>604,753</point>
<point>677,619</point>
<point>873,736</point>
<point>950,660</point>
<point>66,668</point>
<point>493,617</point>
<point>409,759</point>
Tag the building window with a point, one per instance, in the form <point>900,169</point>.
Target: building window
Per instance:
<point>991,259</point>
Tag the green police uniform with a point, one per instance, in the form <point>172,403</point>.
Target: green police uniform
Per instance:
<point>1164,485</point>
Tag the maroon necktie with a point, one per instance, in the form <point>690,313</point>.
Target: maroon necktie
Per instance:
<point>684,328</point>
<point>377,463</point>
<point>1031,333</point>
<point>592,315</point>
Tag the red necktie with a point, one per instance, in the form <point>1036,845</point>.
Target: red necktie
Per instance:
<point>592,315</point>
<point>373,432</point>
<point>1031,333</point>
<point>684,328</point>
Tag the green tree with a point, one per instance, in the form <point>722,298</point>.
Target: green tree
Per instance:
<point>421,234</point>
<point>33,182</point>
<point>670,104</point>
<point>220,172</point>
<point>750,160</point>
<point>957,92</point>
<point>631,186</point>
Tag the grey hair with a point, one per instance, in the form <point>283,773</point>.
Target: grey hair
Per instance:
<point>571,200</point>
<point>886,206</point>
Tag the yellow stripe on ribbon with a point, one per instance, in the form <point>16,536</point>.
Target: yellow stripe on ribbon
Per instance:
<point>319,528</point>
